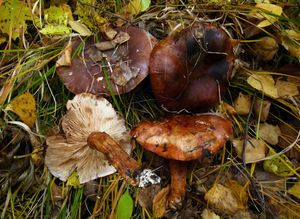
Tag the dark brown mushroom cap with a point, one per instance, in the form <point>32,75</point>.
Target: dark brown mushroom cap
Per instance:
<point>190,69</point>
<point>183,137</point>
<point>85,73</point>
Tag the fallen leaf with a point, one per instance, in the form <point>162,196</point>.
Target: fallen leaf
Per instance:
<point>13,17</point>
<point>261,109</point>
<point>223,199</point>
<point>208,214</point>
<point>286,89</point>
<point>160,203</point>
<point>279,165</point>
<point>264,83</point>
<point>57,29</point>
<point>66,57</point>
<point>266,48</point>
<point>125,206</point>
<point>255,149</point>
<point>242,104</point>
<point>80,28</point>
<point>25,107</point>
<point>269,133</point>
<point>5,90</point>
<point>270,9</point>
<point>291,42</point>
<point>136,6</point>
<point>73,180</point>
<point>295,190</point>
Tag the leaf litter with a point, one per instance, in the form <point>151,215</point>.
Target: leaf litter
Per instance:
<point>255,175</point>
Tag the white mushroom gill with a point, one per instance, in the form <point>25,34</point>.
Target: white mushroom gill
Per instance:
<point>69,151</point>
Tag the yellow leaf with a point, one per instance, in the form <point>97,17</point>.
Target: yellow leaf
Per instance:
<point>264,83</point>
<point>73,180</point>
<point>136,6</point>
<point>295,190</point>
<point>269,19</point>
<point>208,214</point>
<point>291,42</point>
<point>80,28</point>
<point>25,107</point>
<point>286,89</point>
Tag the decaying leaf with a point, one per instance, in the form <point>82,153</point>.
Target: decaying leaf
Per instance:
<point>223,199</point>
<point>160,203</point>
<point>80,28</point>
<point>242,104</point>
<point>13,17</point>
<point>146,195</point>
<point>279,165</point>
<point>295,190</point>
<point>261,109</point>
<point>25,107</point>
<point>208,214</point>
<point>266,48</point>
<point>286,89</point>
<point>255,149</point>
<point>269,133</point>
<point>137,6</point>
<point>270,9</point>
<point>264,83</point>
<point>291,42</point>
<point>56,19</point>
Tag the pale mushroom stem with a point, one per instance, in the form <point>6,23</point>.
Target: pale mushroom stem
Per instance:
<point>127,167</point>
<point>178,173</point>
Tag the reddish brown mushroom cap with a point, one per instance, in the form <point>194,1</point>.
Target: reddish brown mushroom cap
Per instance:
<point>190,69</point>
<point>85,73</point>
<point>183,137</point>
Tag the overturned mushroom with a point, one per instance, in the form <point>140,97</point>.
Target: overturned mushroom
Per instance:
<point>70,151</point>
<point>120,64</point>
<point>179,138</point>
<point>189,70</point>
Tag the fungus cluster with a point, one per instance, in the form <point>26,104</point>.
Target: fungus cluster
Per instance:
<point>188,70</point>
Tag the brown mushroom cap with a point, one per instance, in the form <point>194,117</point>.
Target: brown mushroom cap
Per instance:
<point>189,70</point>
<point>86,75</point>
<point>183,137</point>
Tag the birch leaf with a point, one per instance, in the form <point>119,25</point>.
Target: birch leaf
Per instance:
<point>286,89</point>
<point>264,83</point>
<point>269,19</point>
<point>25,107</point>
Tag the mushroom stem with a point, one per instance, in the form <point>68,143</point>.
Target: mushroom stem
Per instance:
<point>127,167</point>
<point>178,172</point>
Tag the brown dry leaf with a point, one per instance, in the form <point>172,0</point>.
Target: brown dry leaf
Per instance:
<point>105,45</point>
<point>239,191</point>
<point>264,83</point>
<point>208,214</point>
<point>146,195</point>
<point>242,104</point>
<point>295,190</point>
<point>224,200</point>
<point>66,58</point>
<point>261,109</point>
<point>228,108</point>
<point>255,149</point>
<point>121,37</point>
<point>25,107</point>
<point>109,33</point>
<point>286,89</point>
<point>160,203</point>
<point>266,48</point>
<point>269,133</point>
<point>268,19</point>
<point>291,42</point>
<point>4,92</point>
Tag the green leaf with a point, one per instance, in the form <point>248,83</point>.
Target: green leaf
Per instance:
<point>125,206</point>
<point>137,6</point>
<point>13,17</point>
<point>73,180</point>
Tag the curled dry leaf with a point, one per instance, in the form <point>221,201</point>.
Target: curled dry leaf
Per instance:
<point>25,107</point>
<point>242,104</point>
<point>160,202</point>
<point>269,133</point>
<point>286,89</point>
<point>264,83</point>
<point>261,109</point>
<point>255,149</point>
<point>224,199</point>
<point>266,48</point>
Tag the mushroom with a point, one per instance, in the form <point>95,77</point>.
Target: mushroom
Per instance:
<point>70,151</point>
<point>116,66</point>
<point>179,138</point>
<point>189,70</point>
